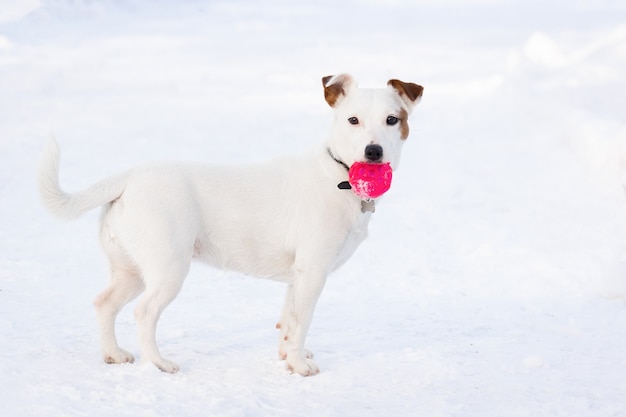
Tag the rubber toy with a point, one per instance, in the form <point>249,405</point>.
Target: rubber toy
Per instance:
<point>370,180</point>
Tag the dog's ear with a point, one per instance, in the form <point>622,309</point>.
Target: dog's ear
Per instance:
<point>410,93</point>
<point>336,87</point>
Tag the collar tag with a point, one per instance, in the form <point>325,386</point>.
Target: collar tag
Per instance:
<point>368,205</point>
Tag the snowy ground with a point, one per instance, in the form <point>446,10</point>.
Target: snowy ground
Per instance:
<point>492,284</point>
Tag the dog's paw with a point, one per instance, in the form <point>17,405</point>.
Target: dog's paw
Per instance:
<point>304,367</point>
<point>282,353</point>
<point>119,356</point>
<point>167,366</point>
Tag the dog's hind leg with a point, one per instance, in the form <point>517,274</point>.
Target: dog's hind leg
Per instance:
<point>163,284</point>
<point>125,285</point>
<point>283,323</point>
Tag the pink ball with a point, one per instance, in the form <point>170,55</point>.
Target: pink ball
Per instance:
<point>370,180</point>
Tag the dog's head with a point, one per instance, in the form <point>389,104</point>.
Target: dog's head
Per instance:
<point>370,124</point>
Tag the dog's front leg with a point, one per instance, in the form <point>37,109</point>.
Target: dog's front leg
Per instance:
<point>283,326</point>
<point>302,296</point>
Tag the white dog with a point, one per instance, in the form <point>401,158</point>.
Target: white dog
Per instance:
<point>286,220</point>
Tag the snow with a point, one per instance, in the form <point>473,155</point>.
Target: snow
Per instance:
<point>494,278</point>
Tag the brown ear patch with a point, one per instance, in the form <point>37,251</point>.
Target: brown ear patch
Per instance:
<point>409,90</point>
<point>332,92</point>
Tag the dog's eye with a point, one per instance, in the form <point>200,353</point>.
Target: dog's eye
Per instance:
<point>353,120</point>
<point>392,120</point>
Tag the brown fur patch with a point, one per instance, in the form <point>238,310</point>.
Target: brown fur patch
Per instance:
<point>409,90</point>
<point>404,124</point>
<point>333,91</point>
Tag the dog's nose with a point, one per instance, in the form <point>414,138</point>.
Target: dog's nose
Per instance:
<point>374,153</point>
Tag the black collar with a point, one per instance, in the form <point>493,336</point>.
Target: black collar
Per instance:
<point>343,185</point>
<point>339,161</point>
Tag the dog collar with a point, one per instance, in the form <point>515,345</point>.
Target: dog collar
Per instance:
<point>343,185</point>
<point>366,205</point>
<point>339,161</point>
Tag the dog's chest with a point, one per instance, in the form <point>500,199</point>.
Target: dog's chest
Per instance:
<point>353,238</point>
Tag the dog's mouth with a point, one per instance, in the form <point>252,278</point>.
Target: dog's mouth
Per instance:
<point>373,154</point>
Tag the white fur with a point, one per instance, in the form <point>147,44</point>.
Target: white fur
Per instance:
<point>285,219</point>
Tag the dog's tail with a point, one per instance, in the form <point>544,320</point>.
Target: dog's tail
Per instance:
<point>69,206</point>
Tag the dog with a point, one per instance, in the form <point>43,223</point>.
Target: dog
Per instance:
<point>289,219</point>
